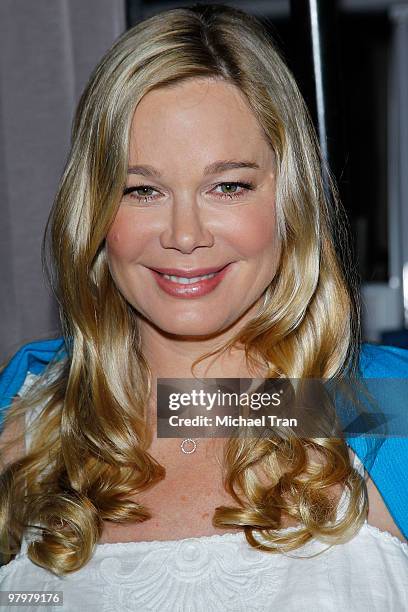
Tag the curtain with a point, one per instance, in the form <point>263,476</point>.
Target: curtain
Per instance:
<point>48,49</point>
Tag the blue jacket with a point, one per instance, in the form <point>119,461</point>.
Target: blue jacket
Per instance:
<point>385,459</point>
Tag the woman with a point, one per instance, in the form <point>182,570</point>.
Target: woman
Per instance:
<point>193,154</point>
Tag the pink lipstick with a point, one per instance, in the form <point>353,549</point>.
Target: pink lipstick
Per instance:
<point>179,283</point>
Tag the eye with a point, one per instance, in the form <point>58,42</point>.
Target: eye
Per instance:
<point>235,193</point>
<point>145,197</point>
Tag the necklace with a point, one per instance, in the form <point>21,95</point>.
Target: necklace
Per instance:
<point>188,446</point>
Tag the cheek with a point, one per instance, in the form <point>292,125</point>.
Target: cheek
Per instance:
<point>256,232</point>
<point>122,241</point>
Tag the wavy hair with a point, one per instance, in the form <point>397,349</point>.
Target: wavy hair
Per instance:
<point>89,451</point>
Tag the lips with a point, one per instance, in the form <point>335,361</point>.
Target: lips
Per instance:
<point>189,273</point>
<point>196,289</point>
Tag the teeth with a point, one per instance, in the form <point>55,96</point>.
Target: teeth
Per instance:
<point>187,281</point>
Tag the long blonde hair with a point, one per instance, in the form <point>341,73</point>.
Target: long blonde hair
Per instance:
<point>89,451</point>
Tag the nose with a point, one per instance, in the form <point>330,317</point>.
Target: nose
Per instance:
<point>186,228</point>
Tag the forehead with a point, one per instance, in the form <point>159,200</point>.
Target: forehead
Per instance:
<point>203,115</point>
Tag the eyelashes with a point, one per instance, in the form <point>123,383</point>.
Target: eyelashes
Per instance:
<point>245,187</point>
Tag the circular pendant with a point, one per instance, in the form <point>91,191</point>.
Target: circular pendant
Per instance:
<point>188,446</point>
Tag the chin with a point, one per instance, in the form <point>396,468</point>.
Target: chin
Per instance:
<point>198,330</point>
<point>183,326</point>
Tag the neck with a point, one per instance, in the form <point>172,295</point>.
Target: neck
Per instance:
<point>172,356</point>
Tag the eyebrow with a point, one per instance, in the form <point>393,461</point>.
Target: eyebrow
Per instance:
<point>218,166</point>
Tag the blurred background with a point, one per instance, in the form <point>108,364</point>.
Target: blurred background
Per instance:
<point>350,58</point>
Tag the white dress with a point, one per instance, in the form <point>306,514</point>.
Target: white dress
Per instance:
<point>224,573</point>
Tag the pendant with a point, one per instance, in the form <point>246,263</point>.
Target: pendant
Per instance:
<point>188,446</point>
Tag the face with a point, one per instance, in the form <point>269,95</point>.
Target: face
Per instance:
<point>184,210</point>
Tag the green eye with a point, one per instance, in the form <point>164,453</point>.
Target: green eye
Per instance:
<point>144,190</point>
<point>229,185</point>
<point>234,189</point>
<point>145,196</point>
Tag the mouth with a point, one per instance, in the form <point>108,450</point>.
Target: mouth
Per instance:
<point>192,284</point>
<point>189,275</point>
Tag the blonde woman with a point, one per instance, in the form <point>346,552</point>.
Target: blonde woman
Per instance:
<point>193,155</point>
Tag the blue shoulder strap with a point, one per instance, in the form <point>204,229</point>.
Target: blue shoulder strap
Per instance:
<point>385,459</point>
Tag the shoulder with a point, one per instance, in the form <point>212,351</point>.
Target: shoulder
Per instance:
<point>380,361</point>
<point>32,358</point>
<point>386,456</point>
